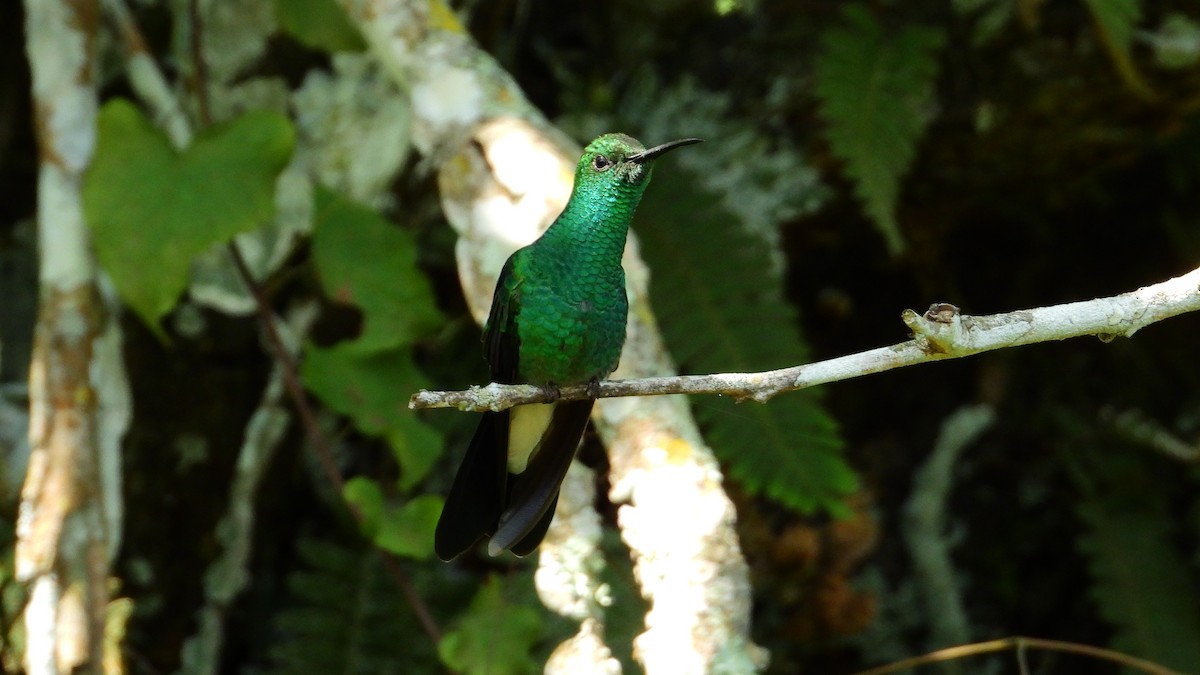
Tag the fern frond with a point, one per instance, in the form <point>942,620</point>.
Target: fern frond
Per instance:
<point>346,616</point>
<point>1142,587</point>
<point>876,94</point>
<point>720,310</point>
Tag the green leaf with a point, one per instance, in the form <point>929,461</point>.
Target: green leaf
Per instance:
<point>408,530</point>
<point>320,24</point>
<point>495,637</point>
<point>366,497</point>
<point>876,93</point>
<point>1142,585</point>
<point>720,310</point>
<point>373,390</point>
<point>415,445</point>
<point>365,261</point>
<point>152,209</point>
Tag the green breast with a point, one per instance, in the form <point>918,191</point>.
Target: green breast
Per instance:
<point>571,320</point>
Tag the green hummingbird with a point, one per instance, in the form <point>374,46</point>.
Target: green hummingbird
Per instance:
<point>557,318</point>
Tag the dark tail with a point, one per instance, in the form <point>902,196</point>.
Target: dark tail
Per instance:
<point>534,493</point>
<point>476,499</point>
<point>514,509</point>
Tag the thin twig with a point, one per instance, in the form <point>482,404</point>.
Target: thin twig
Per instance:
<point>291,380</point>
<point>196,44</point>
<point>941,333</point>
<point>1020,643</point>
<point>414,599</point>
<point>1141,428</point>
<point>291,377</point>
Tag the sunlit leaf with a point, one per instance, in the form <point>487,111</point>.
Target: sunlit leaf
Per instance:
<point>152,209</point>
<point>373,390</point>
<point>320,24</point>
<point>408,530</point>
<point>495,637</point>
<point>367,262</point>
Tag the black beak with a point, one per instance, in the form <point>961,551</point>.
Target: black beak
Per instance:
<point>661,149</point>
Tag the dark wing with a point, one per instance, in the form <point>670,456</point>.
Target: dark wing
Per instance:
<point>501,343</point>
<point>477,496</point>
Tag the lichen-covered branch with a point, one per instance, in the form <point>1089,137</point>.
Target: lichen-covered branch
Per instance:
<point>505,174</point>
<point>1139,427</point>
<point>146,77</point>
<point>229,574</point>
<point>568,580</point>
<point>941,333</point>
<point>70,514</point>
<point>925,527</point>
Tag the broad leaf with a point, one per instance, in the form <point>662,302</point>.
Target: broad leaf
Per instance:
<point>365,261</point>
<point>408,530</point>
<point>405,530</point>
<point>367,499</point>
<point>373,390</point>
<point>152,209</point>
<point>495,636</point>
<point>320,24</point>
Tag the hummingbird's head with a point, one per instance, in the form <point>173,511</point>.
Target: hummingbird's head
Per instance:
<point>619,160</point>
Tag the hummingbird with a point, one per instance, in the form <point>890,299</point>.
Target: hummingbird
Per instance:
<point>558,318</point>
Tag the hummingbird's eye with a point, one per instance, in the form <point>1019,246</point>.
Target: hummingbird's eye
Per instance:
<point>600,162</point>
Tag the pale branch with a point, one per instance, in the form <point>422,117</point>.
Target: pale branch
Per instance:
<point>71,510</point>
<point>938,334</point>
<point>926,530</point>
<point>229,574</point>
<point>1138,427</point>
<point>147,80</point>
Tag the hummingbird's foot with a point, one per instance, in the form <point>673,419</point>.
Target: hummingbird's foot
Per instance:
<point>551,392</point>
<point>593,388</point>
